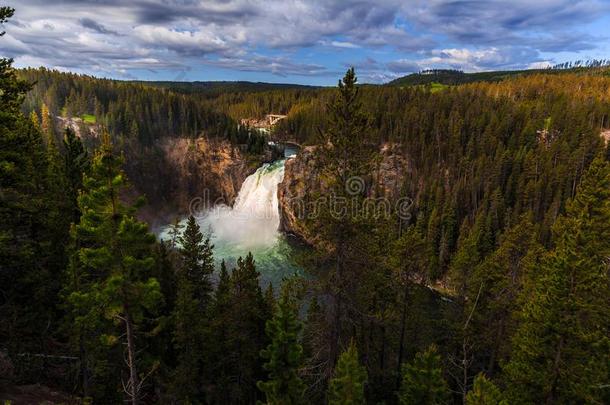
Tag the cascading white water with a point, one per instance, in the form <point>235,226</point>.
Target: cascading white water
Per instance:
<point>253,221</point>
<point>252,225</point>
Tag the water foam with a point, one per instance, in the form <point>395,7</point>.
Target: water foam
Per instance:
<point>253,221</point>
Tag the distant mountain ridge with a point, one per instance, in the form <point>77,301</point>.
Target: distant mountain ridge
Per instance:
<point>216,87</point>
<point>455,77</point>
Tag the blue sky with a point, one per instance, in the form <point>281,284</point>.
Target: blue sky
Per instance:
<point>301,41</point>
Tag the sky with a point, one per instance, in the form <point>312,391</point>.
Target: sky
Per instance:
<point>300,41</point>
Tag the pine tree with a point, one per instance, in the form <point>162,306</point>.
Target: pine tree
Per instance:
<point>115,248</point>
<point>48,127</point>
<point>410,258</point>
<point>270,301</point>
<point>31,264</point>
<point>347,384</point>
<point>345,158</point>
<point>220,364</point>
<point>76,163</point>
<point>484,392</point>
<point>284,355</point>
<point>315,351</point>
<point>196,252</point>
<point>422,380</point>
<point>191,310</point>
<point>63,201</point>
<point>497,282</point>
<point>247,323</point>
<point>561,348</point>
<point>238,316</point>
<point>159,341</point>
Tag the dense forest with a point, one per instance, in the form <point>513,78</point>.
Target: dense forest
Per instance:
<point>495,291</point>
<point>453,77</point>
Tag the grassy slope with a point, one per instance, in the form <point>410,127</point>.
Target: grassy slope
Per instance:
<point>88,118</point>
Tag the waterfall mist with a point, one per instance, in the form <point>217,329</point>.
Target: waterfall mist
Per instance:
<point>252,225</point>
<point>253,221</point>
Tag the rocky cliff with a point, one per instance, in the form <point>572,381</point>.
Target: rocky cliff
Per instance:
<point>183,175</point>
<point>302,180</point>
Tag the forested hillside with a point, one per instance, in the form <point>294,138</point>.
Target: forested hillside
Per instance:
<point>492,289</point>
<point>128,110</point>
<point>143,121</point>
<point>455,77</point>
<point>214,89</point>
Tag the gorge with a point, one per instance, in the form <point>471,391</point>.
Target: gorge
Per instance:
<point>250,224</point>
<point>503,245</point>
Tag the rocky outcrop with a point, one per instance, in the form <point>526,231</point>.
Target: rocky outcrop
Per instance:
<point>303,180</point>
<point>605,135</point>
<point>190,175</point>
<point>203,166</point>
<point>392,170</point>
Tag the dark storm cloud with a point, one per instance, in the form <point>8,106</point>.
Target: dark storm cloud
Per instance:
<point>212,11</point>
<point>278,66</point>
<point>561,42</point>
<point>95,26</point>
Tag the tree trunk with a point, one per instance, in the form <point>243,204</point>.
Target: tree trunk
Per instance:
<point>403,327</point>
<point>491,367</point>
<point>550,397</point>
<point>465,362</point>
<point>336,330</point>
<point>131,359</point>
<point>83,364</point>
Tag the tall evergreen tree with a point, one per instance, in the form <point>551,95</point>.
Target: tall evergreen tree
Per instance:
<point>422,380</point>
<point>196,251</point>
<point>220,362</point>
<point>191,312</point>
<point>410,258</point>
<point>238,317</point>
<point>115,250</point>
<point>247,323</point>
<point>315,349</point>
<point>284,355</point>
<point>345,157</point>
<point>497,282</point>
<point>31,263</point>
<point>346,387</point>
<point>76,163</point>
<point>47,126</point>
<point>561,349</point>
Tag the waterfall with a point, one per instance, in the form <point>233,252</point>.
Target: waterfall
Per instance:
<point>252,225</point>
<point>253,221</point>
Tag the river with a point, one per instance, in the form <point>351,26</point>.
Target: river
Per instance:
<point>252,225</point>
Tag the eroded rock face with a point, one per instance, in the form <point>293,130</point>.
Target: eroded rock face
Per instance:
<point>206,166</point>
<point>193,174</point>
<point>302,180</point>
<point>391,172</point>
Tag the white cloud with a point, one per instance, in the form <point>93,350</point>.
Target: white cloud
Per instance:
<point>187,42</point>
<point>543,64</point>
<point>341,44</point>
<point>484,34</point>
